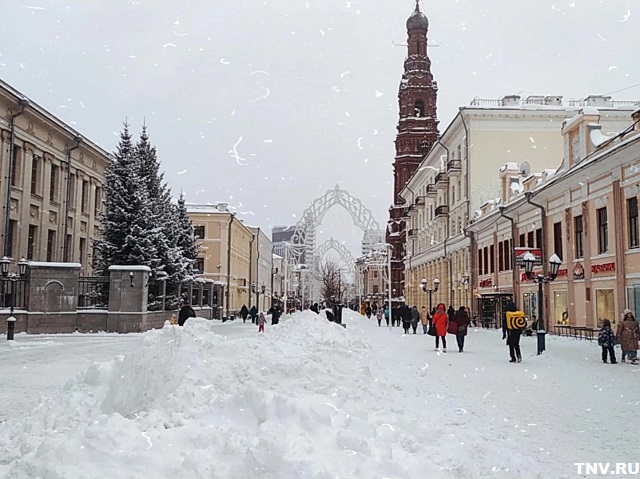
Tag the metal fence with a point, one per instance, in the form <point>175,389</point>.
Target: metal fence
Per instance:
<point>13,292</point>
<point>93,292</point>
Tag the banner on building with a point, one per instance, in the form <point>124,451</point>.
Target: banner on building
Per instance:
<point>521,251</point>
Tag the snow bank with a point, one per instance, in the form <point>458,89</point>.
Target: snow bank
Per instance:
<point>303,400</point>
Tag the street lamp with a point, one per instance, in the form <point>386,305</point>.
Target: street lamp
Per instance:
<point>554,265</point>
<point>12,277</point>
<point>436,285</point>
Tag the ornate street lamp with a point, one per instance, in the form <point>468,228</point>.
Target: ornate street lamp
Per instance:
<point>529,261</point>
<point>23,264</point>
<point>436,286</point>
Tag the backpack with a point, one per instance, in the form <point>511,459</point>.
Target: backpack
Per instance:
<point>516,320</point>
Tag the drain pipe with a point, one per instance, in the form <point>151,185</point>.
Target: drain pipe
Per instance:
<point>231,216</point>
<point>24,103</point>
<point>512,253</point>
<point>65,249</point>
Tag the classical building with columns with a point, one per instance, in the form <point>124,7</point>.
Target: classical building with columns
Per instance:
<point>52,184</point>
<point>585,212</point>
<point>457,178</point>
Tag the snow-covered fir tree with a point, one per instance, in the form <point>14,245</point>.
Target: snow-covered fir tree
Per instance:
<point>140,225</point>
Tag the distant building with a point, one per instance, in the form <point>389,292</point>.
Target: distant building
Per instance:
<point>281,235</point>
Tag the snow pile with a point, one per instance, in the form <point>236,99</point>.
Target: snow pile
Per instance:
<point>307,399</point>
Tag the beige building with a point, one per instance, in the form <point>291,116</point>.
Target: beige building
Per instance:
<point>52,184</point>
<point>458,176</point>
<point>586,212</point>
<point>262,269</point>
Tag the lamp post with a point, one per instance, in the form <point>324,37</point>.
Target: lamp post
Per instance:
<point>436,285</point>
<point>554,264</point>
<point>12,278</point>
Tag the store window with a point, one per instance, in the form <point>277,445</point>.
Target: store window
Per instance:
<point>605,306</point>
<point>633,299</point>
<point>560,307</point>
<point>530,305</point>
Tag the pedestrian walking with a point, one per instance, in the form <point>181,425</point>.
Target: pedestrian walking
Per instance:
<point>628,334</point>
<point>185,313</point>
<point>415,318</point>
<point>440,322</point>
<point>244,313</point>
<point>275,313</point>
<point>512,330</point>
<point>606,340</point>
<point>367,311</point>
<point>253,312</point>
<point>386,313</point>
<point>379,316</point>
<point>425,319</point>
<point>461,318</point>
<point>261,322</point>
<point>405,315</point>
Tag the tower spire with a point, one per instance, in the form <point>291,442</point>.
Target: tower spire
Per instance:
<point>417,5</point>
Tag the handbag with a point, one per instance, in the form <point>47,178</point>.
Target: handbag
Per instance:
<point>453,328</point>
<point>432,330</point>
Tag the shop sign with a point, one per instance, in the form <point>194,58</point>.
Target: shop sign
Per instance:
<point>521,251</point>
<point>578,271</point>
<point>486,283</point>
<point>603,268</point>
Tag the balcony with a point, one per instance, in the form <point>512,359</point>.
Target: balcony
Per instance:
<point>441,180</point>
<point>442,211</point>
<point>420,201</point>
<point>431,191</point>
<point>413,233</point>
<point>454,167</point>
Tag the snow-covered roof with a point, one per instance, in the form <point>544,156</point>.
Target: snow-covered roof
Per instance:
<point>43,264</point>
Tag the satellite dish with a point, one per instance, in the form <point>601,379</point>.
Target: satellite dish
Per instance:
<point>525,169</point>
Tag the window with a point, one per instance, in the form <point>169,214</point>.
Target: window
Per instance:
<point>605,306</point>
<point>198,265</point>
<point>375,274</point>
<point>501,256</point>
<point>15,170</point>
<point>31,241</point>
<point>36,163</point>
<point>530,243</point>
<point>419,109</point>
<point>376,289</point>
<point>84,199</point>
<point>55,181</point>
<point>632,212</point>
<point>539,238</point>
<point>603,240</point>
<point>522,243</point>
<point>83,250</point>
<point>560,307</point>
<point>486,260</point>
<point>492,258</point>
<point>557,239</point>
<point>69,248</point>
<point>13,229</point>
<point>480,262</point>
<point>578,229</point>
<point>507,254</point>
<point>51,245</point>
<point>72,191</point>
<point>97,200</point>
<point>198,232</point>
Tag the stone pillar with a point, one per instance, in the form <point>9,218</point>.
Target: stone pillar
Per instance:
<point>128,295</point>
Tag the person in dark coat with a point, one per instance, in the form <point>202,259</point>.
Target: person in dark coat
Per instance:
<point>395,315</point>
<point>461,318</point>
<point>367,311</point>
<point>451,313</point>
<point>415,318</point>
<point>606,340</point>
<point>315,308</point>
<point>511,335</point>
<point>628,333</point>
<point>405,315</point>
<point>185,313</point>
<point>244,313</point>
<point>253,312</point>
<point>275,313</point>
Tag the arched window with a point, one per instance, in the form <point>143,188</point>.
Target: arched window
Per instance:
<point>419,108</point>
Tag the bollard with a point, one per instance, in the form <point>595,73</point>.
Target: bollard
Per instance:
<point>11,326</point>
<point>541,341</point>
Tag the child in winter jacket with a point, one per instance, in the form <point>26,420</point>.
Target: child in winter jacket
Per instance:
<point>606,340</point>
<point>261,322</point>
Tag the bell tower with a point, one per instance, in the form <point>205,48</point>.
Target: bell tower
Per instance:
<point>417,132</point>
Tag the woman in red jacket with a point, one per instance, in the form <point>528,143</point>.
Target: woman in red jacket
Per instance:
<point>440,320</point>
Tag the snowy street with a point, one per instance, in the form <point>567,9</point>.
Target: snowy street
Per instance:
<point>308,399</point>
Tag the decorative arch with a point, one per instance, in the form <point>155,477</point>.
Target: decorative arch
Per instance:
<point>303,240</point>
<point>344,253</point>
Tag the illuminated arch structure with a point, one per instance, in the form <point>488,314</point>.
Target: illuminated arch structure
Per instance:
<point>303,241</point>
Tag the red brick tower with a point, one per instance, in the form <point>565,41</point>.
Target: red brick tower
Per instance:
<point>417,132</point>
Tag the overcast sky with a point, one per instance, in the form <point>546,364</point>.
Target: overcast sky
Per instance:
<point>268,104</point>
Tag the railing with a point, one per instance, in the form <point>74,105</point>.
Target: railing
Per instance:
<point>431,190</point>
<point>441,179</point>
<point>413,232</point>
<point>442,210</point>
<point>93,292</point>
<point>454,166</point>
<point>14,292</point>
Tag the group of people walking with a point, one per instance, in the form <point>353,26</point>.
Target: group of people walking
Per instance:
<point>627,335</point>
